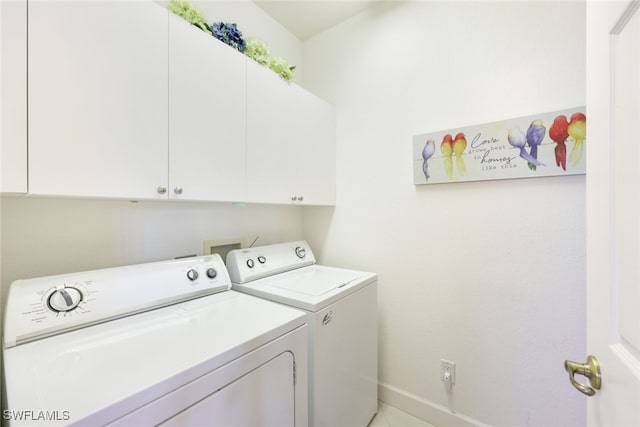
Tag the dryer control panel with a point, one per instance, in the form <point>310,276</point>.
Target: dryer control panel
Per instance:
<point>249,264</point>
<point>45,306</point>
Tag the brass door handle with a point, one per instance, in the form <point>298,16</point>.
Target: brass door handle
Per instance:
<point>591,370</point>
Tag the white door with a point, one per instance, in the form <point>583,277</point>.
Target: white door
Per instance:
<point>97,98</point>
<point>264,397</point>
<point>271,136</point>
<point>317,155</point>
<point>291,152</point>
<point>613,210</point>
<point>13,131</point>
<point>207,116</point>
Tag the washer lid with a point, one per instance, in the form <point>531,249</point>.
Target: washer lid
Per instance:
<point>310,288</point>
<point>313,280</point>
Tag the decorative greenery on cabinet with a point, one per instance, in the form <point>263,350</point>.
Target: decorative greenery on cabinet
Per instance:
<point>255,49</point>
<point>185,10</point>
<point>258,51</point>
<point>229,34</point>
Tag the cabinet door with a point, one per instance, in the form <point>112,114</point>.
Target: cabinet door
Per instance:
<point>290,142</point>
<point>207,116</point>
<point>13,155</point>
<point>316,150</point>
<point>98,98</point>
<point>271,137</point>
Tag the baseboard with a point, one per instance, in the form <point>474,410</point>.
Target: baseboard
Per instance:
<point>431,412</point>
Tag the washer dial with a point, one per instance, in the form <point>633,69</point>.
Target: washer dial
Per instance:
<point>64,299</point>
<point>192,274</point>
<point>301,252</point>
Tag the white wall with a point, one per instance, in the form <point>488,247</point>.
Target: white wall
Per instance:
<point>42,236</point>
<point>489,275</point>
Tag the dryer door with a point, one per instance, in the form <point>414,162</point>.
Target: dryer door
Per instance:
<point>264,396</point>
<point>256,389</point>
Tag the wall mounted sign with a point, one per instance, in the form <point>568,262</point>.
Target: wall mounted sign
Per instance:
<point>547,144</point>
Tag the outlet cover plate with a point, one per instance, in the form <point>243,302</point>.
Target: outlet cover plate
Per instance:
<point>448,366</point>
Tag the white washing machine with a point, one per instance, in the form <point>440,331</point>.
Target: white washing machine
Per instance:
<point>163,343</point>
<point>341,311</point>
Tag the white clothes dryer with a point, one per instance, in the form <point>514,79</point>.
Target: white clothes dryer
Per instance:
<point>341,312</point>
<point>163,343</point>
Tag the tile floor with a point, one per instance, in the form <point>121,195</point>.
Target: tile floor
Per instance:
<point>388,416</point>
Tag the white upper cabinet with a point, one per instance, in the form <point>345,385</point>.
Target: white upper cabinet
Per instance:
<point>126,100</point>
<point>98,98</point>
<point>207,120</point>
<point>290,142</point>
<point>316,149</point>
<point>13,137</point>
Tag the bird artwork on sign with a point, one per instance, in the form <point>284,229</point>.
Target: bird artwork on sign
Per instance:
<point>577,129</point>
<point>447,150</point>
<point>518,139</point>
<point>459,145</point>
<point>558,133</point>
<point>501,149</point>
<point>428,151</point>
<point>535,135</point>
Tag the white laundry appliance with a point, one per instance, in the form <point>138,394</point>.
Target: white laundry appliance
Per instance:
<point>164,343</point>
<point>341,311</point>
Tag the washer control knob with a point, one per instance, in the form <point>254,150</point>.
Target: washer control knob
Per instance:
<point>212,273</point>
<point>192,274</point>
<point>65,299</point>
<point>262,259</point>
<point>301,252</point>
<point>250,263</point>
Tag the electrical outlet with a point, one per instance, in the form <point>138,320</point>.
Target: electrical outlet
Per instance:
<point>447,367</point>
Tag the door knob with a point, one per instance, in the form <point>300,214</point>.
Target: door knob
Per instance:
<point>591,370</point>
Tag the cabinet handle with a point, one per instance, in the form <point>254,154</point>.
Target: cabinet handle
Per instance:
<point>162,190</point>
<point>177,190</point>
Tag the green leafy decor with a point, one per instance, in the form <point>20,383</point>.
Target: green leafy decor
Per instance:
<point>185,10</point>
<point>258,51</point>
<point>230,34</point>
<point>282,67</point>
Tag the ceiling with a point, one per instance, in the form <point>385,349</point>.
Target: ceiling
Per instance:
<point>306,18</point>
